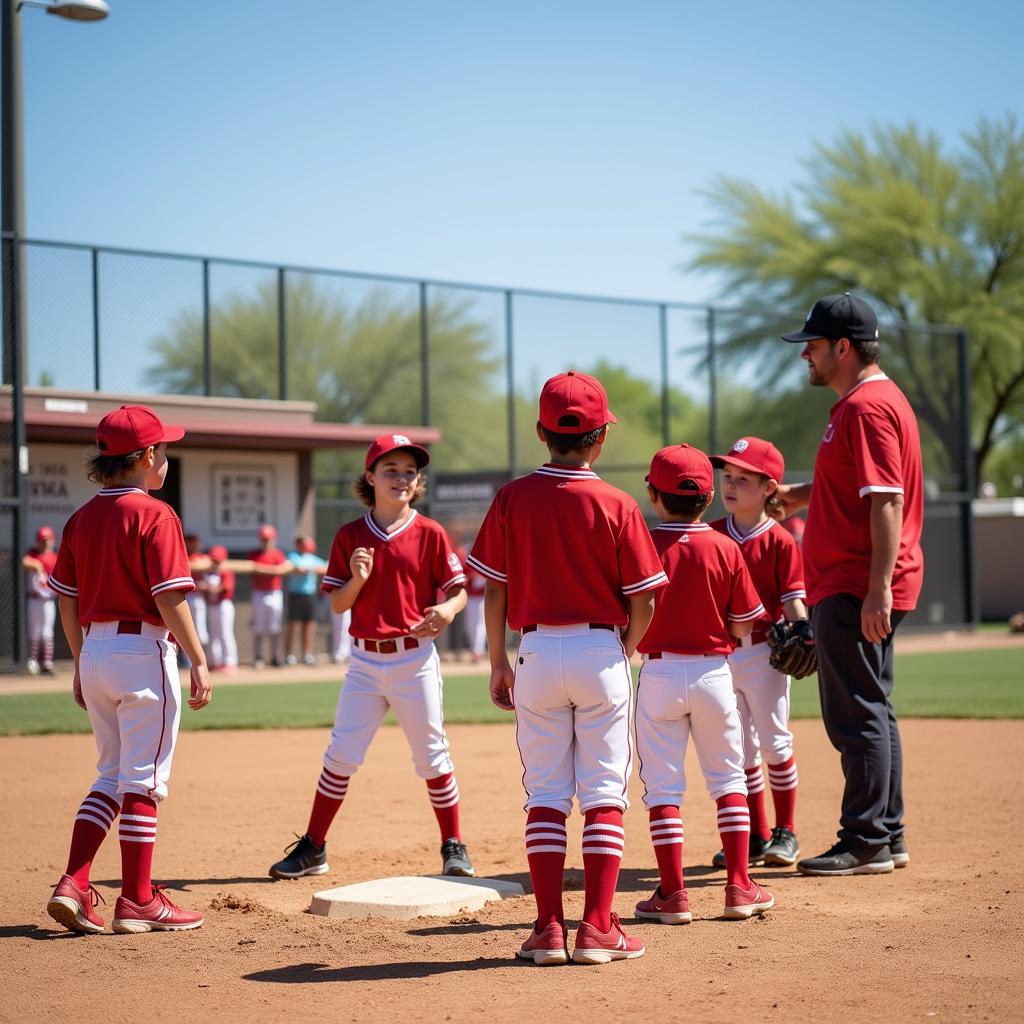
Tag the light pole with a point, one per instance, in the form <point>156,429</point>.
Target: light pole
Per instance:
<point>13,493</point>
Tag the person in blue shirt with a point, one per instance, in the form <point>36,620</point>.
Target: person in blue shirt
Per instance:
<point>303,586</point>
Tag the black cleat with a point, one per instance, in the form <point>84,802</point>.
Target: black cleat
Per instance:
<point>304,858</point>
<point>756,857</point>
<point>844,859</point>
<point>455,859</point>
<point>783,849</point>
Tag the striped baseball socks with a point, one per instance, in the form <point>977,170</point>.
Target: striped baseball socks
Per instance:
<point>755,803</point>
<point>734,828</point>
<point>444,798</point>
<point>666,827</point>
<point>137,833</point>
<point>92,823</point>
<point>331,790</point>
<point>784,780</point>
<point>603,841</point>
<point>546,843</point>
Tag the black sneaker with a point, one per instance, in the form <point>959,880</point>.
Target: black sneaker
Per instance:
<point>304,858</point>
<point>898,849</point>
<point>783,849</point>
<point>755,858</point>
<point>844,859</point>
<point>455,859</point>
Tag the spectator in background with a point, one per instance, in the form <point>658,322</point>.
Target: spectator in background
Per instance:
<point>219,587</point>
<point>473,620</point>
<point>270,564</point>
<point>303,594</point>
<point>42,602</point>
<point>196,599</point>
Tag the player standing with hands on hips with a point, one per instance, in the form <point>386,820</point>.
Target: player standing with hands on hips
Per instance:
<point>570,564</point>
<point>864,568</point>
<point>122,574</point>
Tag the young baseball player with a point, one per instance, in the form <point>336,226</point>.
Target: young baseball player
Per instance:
<point>476,628</point>
<point>219,586</point>
<point>42,604</point>
<point>198,561</point>
<point>303,593</point>
<point>388,567</point>
<point>569,563</point>
<point>121,576</point>
<point>270,565</point>
<point>685,686</point>
<point>751,471</point>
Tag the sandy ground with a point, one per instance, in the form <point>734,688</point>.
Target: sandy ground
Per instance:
<point>936,940</point>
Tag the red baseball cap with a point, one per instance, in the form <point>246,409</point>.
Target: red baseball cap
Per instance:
<point>681,469</point>
<point>131,429</point>
<point>218,552</point>
<point>268,532</point>
<point>576,398</point>
<point>754,455</point>
<point>44,533</point>
<point>387,443</point>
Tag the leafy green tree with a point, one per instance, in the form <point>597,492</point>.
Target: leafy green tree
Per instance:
<point>928,235</point>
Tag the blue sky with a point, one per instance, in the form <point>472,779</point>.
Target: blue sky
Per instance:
<point>546,145</point>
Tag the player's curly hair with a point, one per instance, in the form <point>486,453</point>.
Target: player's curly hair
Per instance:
<point>364,490</point>
<point>108,469</point>
<point>690,506</point>
<point>565,443</point>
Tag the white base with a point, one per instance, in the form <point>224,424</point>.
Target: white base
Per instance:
<point>404,898</point>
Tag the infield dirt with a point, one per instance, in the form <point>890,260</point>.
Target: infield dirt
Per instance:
<point>939,939</point>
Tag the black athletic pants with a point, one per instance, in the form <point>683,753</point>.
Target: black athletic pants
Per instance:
<point>855,680</point>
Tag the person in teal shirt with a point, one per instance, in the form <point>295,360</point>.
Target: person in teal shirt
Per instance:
<point>303,586</point>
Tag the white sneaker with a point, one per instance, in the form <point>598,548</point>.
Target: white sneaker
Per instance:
<point>291,660</point>
<point>32,667</point>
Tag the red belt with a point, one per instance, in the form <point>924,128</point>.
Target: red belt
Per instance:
<point>592,625</point>
<point>387,646</point>
<point>130,626</point>
<point>658,655</point>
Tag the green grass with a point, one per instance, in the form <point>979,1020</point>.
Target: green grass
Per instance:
<point>969,684</point>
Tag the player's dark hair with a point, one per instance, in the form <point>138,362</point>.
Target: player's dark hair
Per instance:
<point>689,506</point>
<point>364,490</point>
<point>563,444</point>
<point>108,469</point>
<point>867,351</point>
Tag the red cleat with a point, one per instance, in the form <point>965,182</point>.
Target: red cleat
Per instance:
<point>74,909</point>
<point>546,948</point>
<point>160,914</point>
<point>674,909</point>
<point>743,903</point>
<point>594,947</point>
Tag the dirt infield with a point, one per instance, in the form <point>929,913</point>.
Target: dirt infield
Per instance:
<point>939,939</point>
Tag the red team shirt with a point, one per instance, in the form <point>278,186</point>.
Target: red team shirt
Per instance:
<point>708,586</point>
<point>773,560</point>
<point>117,552</point>
<point>227,591</point>
<point>871,445</point>
<point>48,559</point>
<point>570,547</point>
<point>275,556</point>
<point>409,567</point>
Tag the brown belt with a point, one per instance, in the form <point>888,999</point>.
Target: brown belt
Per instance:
<point>130,626</point>
<point>387,646</point>
<point>592,625</point>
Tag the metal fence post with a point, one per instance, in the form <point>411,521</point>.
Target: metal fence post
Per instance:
<point>424,356</point>
<point>95,319</point>
<point>967,469</point>
<point>712,383</point>
<point>207,351</point>
<point>510,385</point>
<point>666,413</point>
<point>282,337</point>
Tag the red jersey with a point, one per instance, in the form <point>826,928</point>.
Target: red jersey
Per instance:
<point>773,558</point>
<point>274,556</point>
<point>708,586</point>
<point>197,574</point>
<point>227,587</point>
<point>37,587</point>
<point>870,446</point>
<point>410,565</point>
<point>118,551</point>
<point>570,547</point>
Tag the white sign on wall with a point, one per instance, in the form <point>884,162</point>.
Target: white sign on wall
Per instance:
<point>244,497</point>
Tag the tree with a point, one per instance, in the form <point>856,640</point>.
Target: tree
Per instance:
<point>931,237</point>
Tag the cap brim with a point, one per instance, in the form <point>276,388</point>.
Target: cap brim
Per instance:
<point>612,418</point>
<point>421,455</point>
<point>718,461</point>
<point>800,336</point>
<point>172,433</point>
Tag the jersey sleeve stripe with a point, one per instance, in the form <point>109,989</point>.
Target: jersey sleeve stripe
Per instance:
<point>878,489</point>
<point>792,595</point>
<point>455,581</point>
<point>486,570</point>
<point>747,616</point>
<point>332,582</point>
<point>178,583</point>
<point>657,580</point>
<point>62,588</point>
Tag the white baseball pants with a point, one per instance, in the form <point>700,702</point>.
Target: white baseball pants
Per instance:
<point>680,696</point>
<point>41,615</point>
<point>267,612</point>
<point>762,696</point>
<point>223,648</point>
<point>130,686</point>
<point>573,697</point>
<point>476,628</point>
<point>409,683</point>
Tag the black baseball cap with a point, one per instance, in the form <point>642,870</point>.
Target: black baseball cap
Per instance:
<point>838,316</point>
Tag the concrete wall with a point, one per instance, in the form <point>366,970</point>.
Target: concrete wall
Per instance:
<point>999,550</point>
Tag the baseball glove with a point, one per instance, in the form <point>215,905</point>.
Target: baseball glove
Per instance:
<point>792,645</point>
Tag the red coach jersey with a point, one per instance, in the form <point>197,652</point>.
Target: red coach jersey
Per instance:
<point>773,559</point>
<point>410,566</point>
<point>275,556</point>
<point>117,552</point>
<point>871,445</point>
<point>708,586</point>
<point>570,547</point>
<point>37,587</point>
<point>227,587</point>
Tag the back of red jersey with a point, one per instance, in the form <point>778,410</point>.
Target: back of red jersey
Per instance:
<point>268,557</point>
<point>117,552</point>
<point>410,565</point>
<point>773,558</point>
<point>570,547</point>
<point>708,586</point>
